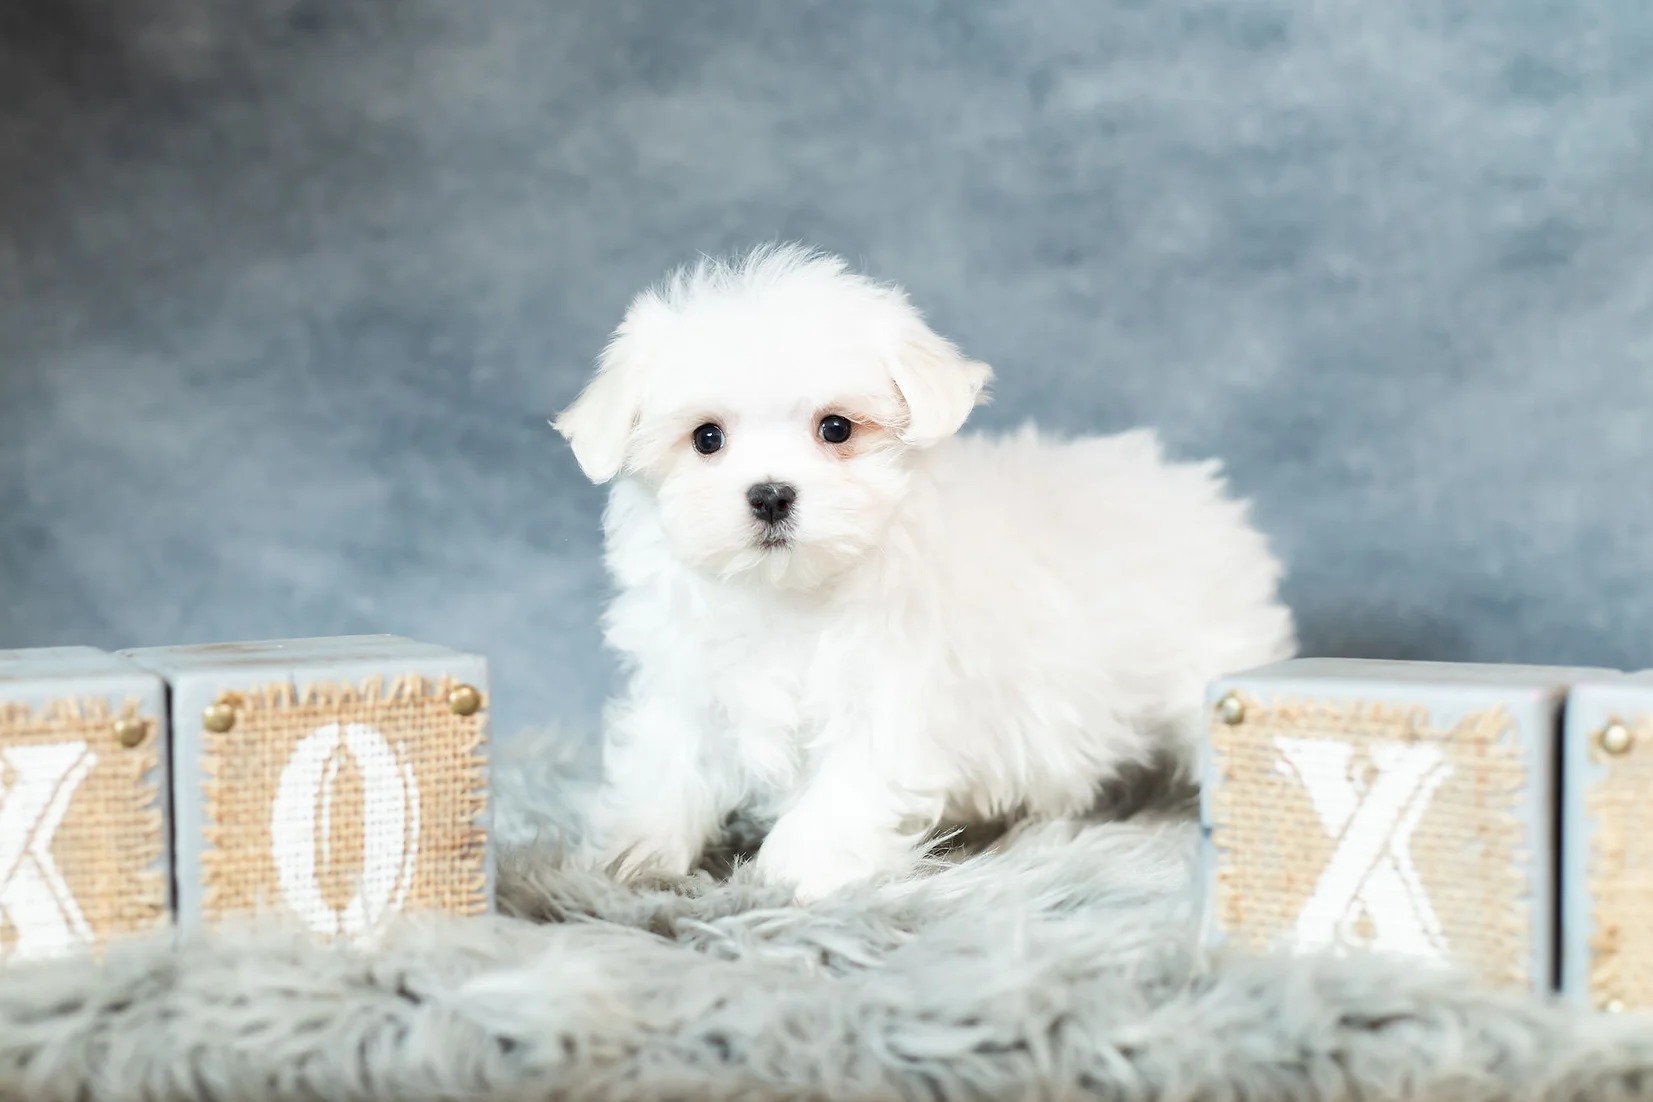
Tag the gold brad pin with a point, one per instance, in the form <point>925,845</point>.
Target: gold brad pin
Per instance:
<point>1231,710</point>
<point>464,700</point>
<point>131,731</point>
<point>1616,738</point>
<point>219,717</point>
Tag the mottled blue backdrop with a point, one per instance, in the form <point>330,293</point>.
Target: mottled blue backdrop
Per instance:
<point>288,288</point>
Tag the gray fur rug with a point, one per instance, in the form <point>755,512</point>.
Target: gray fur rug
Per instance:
<point>1057,961</point>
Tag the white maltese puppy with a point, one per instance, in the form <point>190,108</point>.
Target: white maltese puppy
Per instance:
<point>838,614</point>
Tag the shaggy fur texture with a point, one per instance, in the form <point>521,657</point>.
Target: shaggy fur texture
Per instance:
<point>842,613</point>
<point>1058,963</point>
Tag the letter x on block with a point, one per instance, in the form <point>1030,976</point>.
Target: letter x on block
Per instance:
<point>1370,873</point>
<point>37,784</point>
<point>1401,808</point>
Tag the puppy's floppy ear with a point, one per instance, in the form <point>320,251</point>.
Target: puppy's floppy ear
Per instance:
<point>599,423</point>
<point>939,384</point>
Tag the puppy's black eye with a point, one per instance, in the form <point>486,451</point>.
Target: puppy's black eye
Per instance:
<point>708,439</point>
<point>836,429</point>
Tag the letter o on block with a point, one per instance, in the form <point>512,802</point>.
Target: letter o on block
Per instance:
<point>332,782</point>
<point>302,822</point>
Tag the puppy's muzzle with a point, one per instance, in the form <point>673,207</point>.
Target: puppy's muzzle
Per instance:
<point>771,502</point>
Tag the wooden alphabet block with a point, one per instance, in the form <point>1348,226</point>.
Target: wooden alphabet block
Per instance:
<point>83,810</point>
<point>337,781</point>
<point>1400,807</point>
<point>1607,844</point>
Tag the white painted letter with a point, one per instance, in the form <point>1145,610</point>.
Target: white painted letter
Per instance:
<point>390,828</point>
<point>34,898</point>
<point>1371,869</point>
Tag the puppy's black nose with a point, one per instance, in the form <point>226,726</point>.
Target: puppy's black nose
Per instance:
<point>771,501</point>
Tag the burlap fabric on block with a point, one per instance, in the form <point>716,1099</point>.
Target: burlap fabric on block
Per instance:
<point>345,805</point>
<point>1620,873</point>
<point>1059,962</point>
<point>1324,813</point>
<point>81,839</point>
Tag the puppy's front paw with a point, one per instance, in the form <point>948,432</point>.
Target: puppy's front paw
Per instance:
<point>816,861</point>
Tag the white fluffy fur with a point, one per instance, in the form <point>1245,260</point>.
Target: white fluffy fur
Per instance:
<point>957,628</point>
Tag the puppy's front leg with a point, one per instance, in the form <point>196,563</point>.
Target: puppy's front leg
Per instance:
<point>852,822</point>
<point>659,804</point>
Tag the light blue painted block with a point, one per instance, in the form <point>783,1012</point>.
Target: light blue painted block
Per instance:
<point>1607,844</point>
<point>84,855</point>
<point>304,757</point>
<point>1398,807</point>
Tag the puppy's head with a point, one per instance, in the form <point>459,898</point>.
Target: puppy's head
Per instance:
<point>774,404</point>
